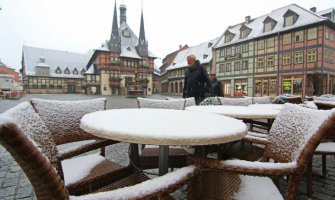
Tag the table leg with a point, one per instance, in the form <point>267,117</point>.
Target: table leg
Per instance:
<point>163,159</point>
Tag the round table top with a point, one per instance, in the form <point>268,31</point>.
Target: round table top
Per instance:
<point>270,106</point>
<point>163,126</point>
<point>240,112</point>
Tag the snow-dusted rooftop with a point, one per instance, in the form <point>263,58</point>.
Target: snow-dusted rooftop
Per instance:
<point>256,25</point>
<point>33,57</point>
<point>203,53</point>
<point>128,44</point>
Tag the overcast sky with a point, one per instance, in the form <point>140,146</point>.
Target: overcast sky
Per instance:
<point>82,25</point>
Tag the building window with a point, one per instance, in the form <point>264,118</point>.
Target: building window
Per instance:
<point>42,71</point>
<point>228,51</point>
<point>221,68</point>
<point>268,27</point>
<point>67,71</point>
<point>311,55</point>
<point>244,64</point>
<point>292,85</point>
<point>260,44</point>
<point>327,33</point>
<point>270,42</point>
<point>270,61</point>
<point>244,32</point>
<point>287,39</point>
<point>286,59</point>
<point>260,62</point>
<point>222,52</point>
<point>299,57</point>
<point>241,87</point>
<point>238,49</point>
<point>227,88</point>
<point>126,32</point>
<point>75,71</point>
<point>228,36</point>
<point>312,33</point>
<point>228,67</point>
<point>299,36</point>
<point>245,47</point>
<point>288,21</point>
<point>237,66</point>
<point>58,70</point>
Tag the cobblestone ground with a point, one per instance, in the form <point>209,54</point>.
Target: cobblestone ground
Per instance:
<point>15,185</point>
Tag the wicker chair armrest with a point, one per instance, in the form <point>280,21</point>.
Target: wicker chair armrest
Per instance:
<point>157,187</point>
<point>257,138</point>
<point>246,167</point>
<point>100,143</point>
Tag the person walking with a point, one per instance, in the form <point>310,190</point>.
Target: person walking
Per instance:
<point>216,85</point>
<point>196,81</point>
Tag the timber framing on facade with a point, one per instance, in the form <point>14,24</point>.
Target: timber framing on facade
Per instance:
<point>290,50</point>
<point>123,65</point>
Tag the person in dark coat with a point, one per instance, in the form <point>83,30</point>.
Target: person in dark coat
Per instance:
<point>196,81</point>
<point>216,85</point>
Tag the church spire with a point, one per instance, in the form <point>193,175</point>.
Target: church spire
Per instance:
<point>115,40</point>
<point>142,47</point>
<point>123,13</point>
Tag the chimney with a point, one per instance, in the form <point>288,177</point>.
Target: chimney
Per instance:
<point>313,9</point>
<point>247,19</point>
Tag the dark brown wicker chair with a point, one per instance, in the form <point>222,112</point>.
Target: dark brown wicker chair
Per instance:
<point>148,158</point>
<point>292,140</point>
<point>27,139</point>
<point>63,120</point>
<point>325,148</point>
<point>293,99</point>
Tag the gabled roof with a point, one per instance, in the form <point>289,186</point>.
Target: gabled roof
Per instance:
<point>327,11</point>
<point>306,17</point>
<point>53,59</point>
<point>2,64</point>
<point>203,53</point>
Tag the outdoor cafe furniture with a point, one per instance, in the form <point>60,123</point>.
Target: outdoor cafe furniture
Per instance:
<point>164,127</point>
<point>290,145</point>
<point>62,119</point>
<point>148,157</point>
<point>26,137</point>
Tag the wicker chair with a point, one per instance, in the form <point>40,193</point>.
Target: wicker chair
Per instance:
<point>293,99</point>
<point>326,147</point>
<point>26,137</point>
<point>148,158</point>
<point>294,136</point>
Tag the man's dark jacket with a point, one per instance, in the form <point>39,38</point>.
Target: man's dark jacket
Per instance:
<point>196,82</point>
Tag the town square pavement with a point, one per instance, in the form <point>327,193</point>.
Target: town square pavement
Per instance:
<point>15,185</point>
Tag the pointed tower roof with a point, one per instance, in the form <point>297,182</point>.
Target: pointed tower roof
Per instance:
<point>115,39</point>
<point>142,47</point>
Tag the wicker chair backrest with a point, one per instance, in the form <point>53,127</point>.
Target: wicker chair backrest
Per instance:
<point>63,117</point>
<point>235,101</point>
<point>293,99</point>
<point>177,104</point>
<point>296,130</point>
<point>27,139</point>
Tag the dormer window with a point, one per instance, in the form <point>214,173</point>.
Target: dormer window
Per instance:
<point>126,32</point>
<point>58,70</point>
<point>269,24</point>
<point>82,72</point>
<point>244,31</point>
<point>128,48</point>
<point>210,44</point>
<point>75,71</point>
<point>229,36</point>
<point>290,18</point>
<point>205,56</point>
<point>67,71</point>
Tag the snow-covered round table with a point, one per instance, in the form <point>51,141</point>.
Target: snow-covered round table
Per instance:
<point>240,112</point>
<point>163,127</point>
